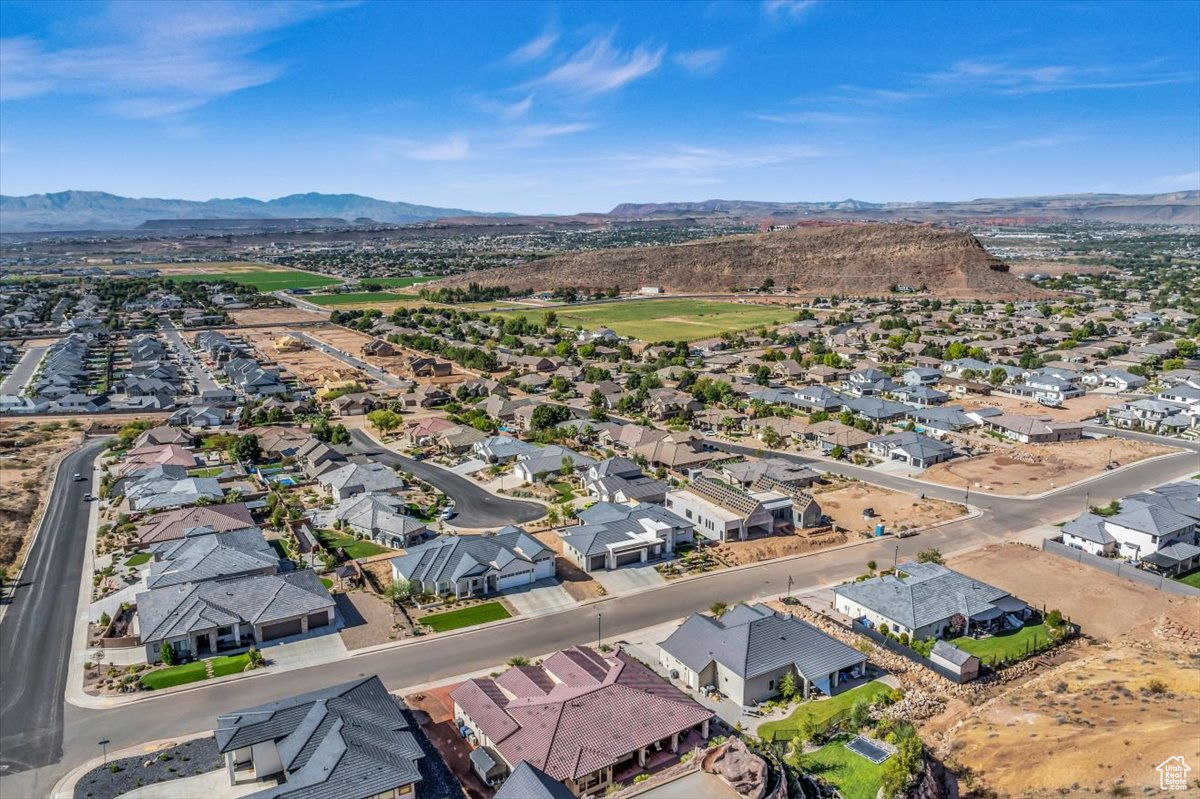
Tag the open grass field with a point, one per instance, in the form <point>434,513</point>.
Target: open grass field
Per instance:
<point>466,617</point>
<point>853,775</point>
<point>666,320</point>
<point>265,279</point>
<point>398,282</point>
<point>821,711</point>
<point>352,298</point>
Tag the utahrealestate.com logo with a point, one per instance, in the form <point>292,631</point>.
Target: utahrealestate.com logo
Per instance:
<point>1173,774</point>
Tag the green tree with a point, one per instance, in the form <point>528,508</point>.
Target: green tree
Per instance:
<point>399,591</point>
<point>837,453</point>
<point>383,420</point>
<point>547,416</point>
<point>247,449</point>
<point>339,435</point>
<point>860,714</point>
<point>718,609</point>
<point>931,555</point>
<point>166,653</point>
<point>997,376</point>
<point>787,686</point>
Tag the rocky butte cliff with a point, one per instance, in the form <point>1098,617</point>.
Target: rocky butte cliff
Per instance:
<point>846,259</point>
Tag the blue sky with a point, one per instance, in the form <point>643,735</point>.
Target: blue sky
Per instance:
<point>566,107</point>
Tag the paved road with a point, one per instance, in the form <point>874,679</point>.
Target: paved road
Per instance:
<point>188,359</point>
<point>35,633</point>
<point>441,657</point>
<point>352,361</point>
<point>476,507</point>
<point>22,373</point>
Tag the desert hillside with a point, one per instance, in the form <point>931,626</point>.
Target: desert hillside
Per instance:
<point>857,260</point>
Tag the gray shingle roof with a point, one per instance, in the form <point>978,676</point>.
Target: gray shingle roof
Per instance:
<point>450,558</point>
<point>922,594</point>
<point>204,555</point>
<point>348,741</point>
<point>754,640</point>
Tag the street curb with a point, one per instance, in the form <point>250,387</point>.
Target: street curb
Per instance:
<point>79,637</point>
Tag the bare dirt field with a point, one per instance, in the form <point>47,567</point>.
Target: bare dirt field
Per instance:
<point>1024,469</point>
<point>756,550</point>
<point>1104,605</point>
<point>578,583</point>
<point>1057,268</point>
<point>1073,410</point>
<point>844,503</point>
<point>310,366</point>
<point>352,341</point>
<point>1128,700</point>
<point>276,316</point>
<point>369,620</point>
<point>29,453</point>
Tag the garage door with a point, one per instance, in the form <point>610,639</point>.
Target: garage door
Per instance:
<point>625,558</point>
<point>272,631</point>
<point>513,580</point>
<point>318,620</point>
<point>597,562</point>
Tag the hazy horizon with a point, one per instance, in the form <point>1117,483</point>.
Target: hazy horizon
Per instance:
<point>570,107</point>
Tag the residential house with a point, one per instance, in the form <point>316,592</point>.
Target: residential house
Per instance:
<point>615,535</point>
<point>749,651</point>
<point>347,741</point>
<point>502,449</point>
<point>921,599</point>
<point>530,782</point>
<point>542,462</point>
<point>359,478</point>
<point>161,487</point>
<point>382,518</point>
<point>475,565</point>
<point>676,451</point>
<point>1033,429</point>
<point>611,714</point>
<point>172,525</point>
<point>622,480</point>
<point>723,512</point>
<point>786,472</point>
<point>915,449</point>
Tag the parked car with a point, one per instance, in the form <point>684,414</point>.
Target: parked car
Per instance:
<point>88,498</point>
<point>448,513</point>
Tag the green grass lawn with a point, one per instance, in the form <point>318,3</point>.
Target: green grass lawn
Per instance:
<point>281,549</point>
<point>1192,579</point>
<point>325,581</point>
<point>398,282</point>
<point>355,548</point>
<point>213,471</point>
<point>821,711</point>
<point>466,617</point>
<point>663,320</point>
<point>353,298</point>
<point>137,559</point>
<point>853,775</point>
<point>195,671</point>
<point>1010,645</point>
<point>565,492</point>
<point>265,279</point>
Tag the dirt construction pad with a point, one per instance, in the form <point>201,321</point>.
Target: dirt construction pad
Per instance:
<point>1025,469</point>
<point>845,502</point>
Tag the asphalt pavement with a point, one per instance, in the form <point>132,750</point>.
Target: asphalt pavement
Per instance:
<point>476,507</point>
<point>188,359</point>
<point>440,657</point>
<point>22,373</point>
<point>35,632</point>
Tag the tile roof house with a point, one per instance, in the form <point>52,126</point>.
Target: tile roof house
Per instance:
<point>580,716</point>
<point>205,555</point>
<point>168,487</point>
<point>918,451</point>
<point>615,535</point>
<point>535,464</point>
<point>921,598</point>
<point>622,480</point>
<point>475,565</point>
<point>1033,429</point>
<point>787,472</point>
<point>359,478</point>
<point>174,524</point>
<point>1160,528</point>
<point>197,619</point>
<point>380,517</point>
<point>347,741</point>
<point>747,652</point>
<point>530,782</point>
<point>142,459</point>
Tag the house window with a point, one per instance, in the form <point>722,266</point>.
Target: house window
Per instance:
<point>771,685</point>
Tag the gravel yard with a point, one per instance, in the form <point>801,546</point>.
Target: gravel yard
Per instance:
<point>184,760</point>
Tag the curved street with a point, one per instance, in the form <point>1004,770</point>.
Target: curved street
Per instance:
<point>476,507</point>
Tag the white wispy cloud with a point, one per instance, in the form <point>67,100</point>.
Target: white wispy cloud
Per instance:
<point>808,118</point>
<point>701,62</point>
<point>1006,78</point>
<point>553,131</point>
<point>686,159</point>
<point>503,108</point>
<point>599,67</point>
<point>455,147</point>
<point>787,9</point>
<point>1185,181</point>
<point>157,59</point>
<point>536,48</point>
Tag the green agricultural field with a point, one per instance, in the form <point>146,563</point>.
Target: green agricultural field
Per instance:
<point>353,298</point>
<point>467,617</point>
<point>264,280</point>
<point>666,320</point>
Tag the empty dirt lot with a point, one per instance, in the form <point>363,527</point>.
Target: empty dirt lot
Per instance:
<point>29,452</point>
<point>844,503</point>
<point>1103,720</point>
<point>308,365</point>
<point>1073,410</point>
<point>277,316</point>
<point>1025,469</point>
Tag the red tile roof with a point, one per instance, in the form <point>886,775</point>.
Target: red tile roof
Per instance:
<point>579,711</point>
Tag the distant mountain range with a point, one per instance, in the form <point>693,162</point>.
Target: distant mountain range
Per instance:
<point>94,210</point>
<point>1180,207</point>
<point>97,210</point>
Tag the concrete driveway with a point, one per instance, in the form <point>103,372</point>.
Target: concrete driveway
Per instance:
<point>544,596</point>
<point>627,579</point>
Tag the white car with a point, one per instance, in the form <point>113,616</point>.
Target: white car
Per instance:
<point>447,514</point>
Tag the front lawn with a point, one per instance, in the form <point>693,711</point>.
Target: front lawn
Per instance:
<point>1192,579</point>
<point>466,617</point>
<point>853,775</point>
<point>821,711</point>
<point>137,559</point>
<point>564,491</point>
<point>355,548</point>
<point>1009,645</point>
<point>195,671</point>
<point>212,471</point>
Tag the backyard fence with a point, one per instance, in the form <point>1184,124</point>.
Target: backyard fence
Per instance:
<point>1119,568</point>
<point>829,726</point>
<point>909,653</point>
